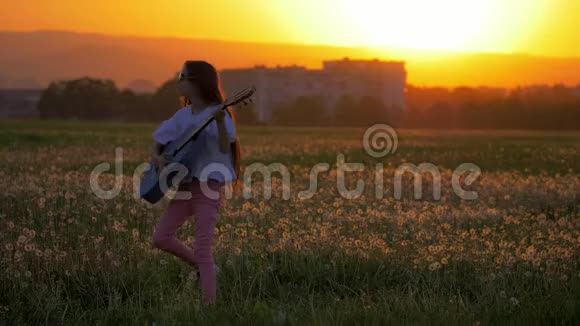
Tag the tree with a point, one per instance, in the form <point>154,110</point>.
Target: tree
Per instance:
<point>164,102</point>
<point>303,111</point>
<point>84,98</point>
<point>363,111</point>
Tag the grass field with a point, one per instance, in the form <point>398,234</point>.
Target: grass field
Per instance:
<point>510,256</point>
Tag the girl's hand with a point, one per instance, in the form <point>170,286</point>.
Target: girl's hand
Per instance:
<point>159,161</point>
<point>219,115</point>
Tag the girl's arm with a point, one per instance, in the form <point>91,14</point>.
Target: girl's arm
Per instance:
<point>167,131</point>
<point>156,156</point>
<point>156,150</point>
<point>224,142</point>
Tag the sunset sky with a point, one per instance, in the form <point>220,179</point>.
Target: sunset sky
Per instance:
<point>539,27</point>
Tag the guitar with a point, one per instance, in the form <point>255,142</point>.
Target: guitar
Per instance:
<point>154,183</point>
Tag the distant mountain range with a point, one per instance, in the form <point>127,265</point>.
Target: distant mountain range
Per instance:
<point>33,59</point>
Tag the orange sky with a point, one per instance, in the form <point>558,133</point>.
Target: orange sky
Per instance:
<point>540,27</point>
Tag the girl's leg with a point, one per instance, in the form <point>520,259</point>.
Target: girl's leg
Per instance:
<point>206,212</point>
<point>164,236</point>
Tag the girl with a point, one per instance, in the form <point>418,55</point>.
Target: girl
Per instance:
<point>200,94</point>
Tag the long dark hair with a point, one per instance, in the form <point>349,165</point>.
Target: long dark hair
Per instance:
<point>206,77</point>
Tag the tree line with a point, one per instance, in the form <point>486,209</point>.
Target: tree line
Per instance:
<point>100,99</point>
<point>534,107</point>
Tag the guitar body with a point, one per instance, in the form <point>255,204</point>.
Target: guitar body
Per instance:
<point>152,188</point>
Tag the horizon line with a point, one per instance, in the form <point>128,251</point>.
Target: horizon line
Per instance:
<point>357,47</point>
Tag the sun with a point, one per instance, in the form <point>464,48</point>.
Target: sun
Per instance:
<point>441,25</point>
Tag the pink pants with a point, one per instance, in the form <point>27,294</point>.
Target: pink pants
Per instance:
<point>205,211</point>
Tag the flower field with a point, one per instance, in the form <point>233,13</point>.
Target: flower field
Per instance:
<point>510,256</point>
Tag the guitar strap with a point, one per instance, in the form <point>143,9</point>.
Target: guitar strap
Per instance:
<point>197,131</point>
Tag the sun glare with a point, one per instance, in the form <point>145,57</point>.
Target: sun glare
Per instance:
<point>415,24</point>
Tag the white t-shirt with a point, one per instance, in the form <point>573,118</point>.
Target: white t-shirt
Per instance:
<point>205,151</point>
